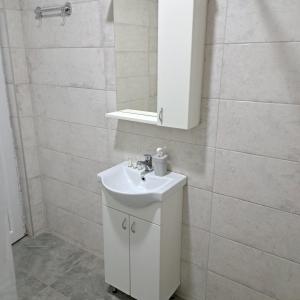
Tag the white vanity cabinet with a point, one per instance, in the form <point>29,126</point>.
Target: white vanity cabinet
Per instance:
<point>142,246</point>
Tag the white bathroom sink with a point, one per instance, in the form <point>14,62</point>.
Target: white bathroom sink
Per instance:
<point>124,184</point>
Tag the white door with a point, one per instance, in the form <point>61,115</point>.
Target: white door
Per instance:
<point>7,277</point>
<point>9,167</point>
<point>144,259</point>
<point>116,249</point>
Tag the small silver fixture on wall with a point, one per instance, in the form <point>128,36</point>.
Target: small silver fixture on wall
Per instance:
<point>55,11</point>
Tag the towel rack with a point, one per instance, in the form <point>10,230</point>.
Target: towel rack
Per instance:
<point>55,11</point>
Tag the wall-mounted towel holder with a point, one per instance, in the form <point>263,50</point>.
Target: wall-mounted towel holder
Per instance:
<point>56,11</point>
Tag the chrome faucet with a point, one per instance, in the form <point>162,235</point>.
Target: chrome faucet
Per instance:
<point>147,164</point>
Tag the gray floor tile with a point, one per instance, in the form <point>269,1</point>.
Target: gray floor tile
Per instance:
<point>28,286</point>
<point>49,268</point>
<point>50,294</point>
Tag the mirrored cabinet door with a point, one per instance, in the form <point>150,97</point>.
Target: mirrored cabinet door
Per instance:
<point>159,61</point>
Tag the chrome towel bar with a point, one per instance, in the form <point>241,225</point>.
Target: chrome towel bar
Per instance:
<point>55,11</point>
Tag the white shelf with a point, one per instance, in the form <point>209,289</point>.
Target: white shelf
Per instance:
<point>134,116</point>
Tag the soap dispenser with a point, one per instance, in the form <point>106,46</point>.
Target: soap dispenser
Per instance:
<point>159,161</point>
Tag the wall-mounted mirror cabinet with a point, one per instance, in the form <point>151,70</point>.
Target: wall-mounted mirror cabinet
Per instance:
<point>159,61</point>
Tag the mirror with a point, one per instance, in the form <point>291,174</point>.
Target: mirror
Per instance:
<point>159,60</point>
<point>136,35</point>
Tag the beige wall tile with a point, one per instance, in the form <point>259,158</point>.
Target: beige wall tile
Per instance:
<point>77,67</point>
<point>135,12</point>
<point>221,288</point>
<point>260,128</point>
<point>212,71</point>
<point>263,272</point>
<point>196,207</point>
<point>262,72</point>
<point>267,181</point>
<point>15,28</point>
<point>192,282</point>
<point>262,21</point>
<point>19,66</point>
<point>216,19</point>
<point>261,227</point>
<point>77,31</point>
<point>194,246</point>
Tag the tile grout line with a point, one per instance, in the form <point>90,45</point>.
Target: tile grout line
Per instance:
<point>242,284</point>
<point>214,163</point>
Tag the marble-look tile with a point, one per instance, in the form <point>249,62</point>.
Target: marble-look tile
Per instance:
<point>54,135</point>
<point>110,68</point>
<point>38,217</point>
<point>216,18</point>
<point>92,238</point>
<point>75,228</point>
<point>192,282</point>
<point>78,201</point>
<point>262,21</point>
<point>132,88</point>
<point>268,274</point>
<point>35,190</point>
<point>46,258</point>
<point>50,294</point>
<point>3,31</point>
<point>12,4</point>
<point>23,96</point>
<point>28,132</point>
<point>260,128</point>
<point>195,161</point>
<point>257,226</point>
<point>15,28</point>
<point>55,164</point>
<point>75,105</point>
<point>88,142</point>
<point>194,246</point>
<point>77,31</point>
<point>266,72</point>
<point>7,65</point>
<point>32,161</point>
<point>77,67</point>
<point>263,180</point>
<point>212,71</point>
<point>19,65</point>
<point>108,23</point>
<point>130,64</point>
<point>131,38</point>
<point>221,288</point>
<point>134,12</point>
<point>81,282</point>
<point>28,286</point>
<point>83,173</point>
<point>11,99</point>
<point>196,207</point>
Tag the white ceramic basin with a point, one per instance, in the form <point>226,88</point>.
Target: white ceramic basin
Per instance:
<point>125,185</point>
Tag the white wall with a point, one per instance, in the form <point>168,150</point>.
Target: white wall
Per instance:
<point>241,213</point>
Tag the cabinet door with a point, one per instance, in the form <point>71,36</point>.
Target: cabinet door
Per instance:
<point>144,259</point>
<point>116,248</point>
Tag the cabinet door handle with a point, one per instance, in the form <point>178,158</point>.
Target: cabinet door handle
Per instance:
<point>133,227</point>
<point>124,224</point>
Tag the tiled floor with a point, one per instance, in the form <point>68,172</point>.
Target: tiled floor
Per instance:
<point>50,268</point>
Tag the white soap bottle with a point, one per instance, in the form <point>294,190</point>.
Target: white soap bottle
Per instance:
<point>159,161</point>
